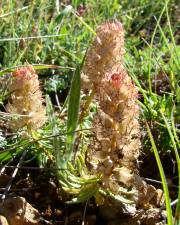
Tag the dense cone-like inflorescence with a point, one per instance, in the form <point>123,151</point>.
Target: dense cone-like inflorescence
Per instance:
<point>104,55</point>
<point>26,103</point>
<point>115,143</point>
<point>114,148</point>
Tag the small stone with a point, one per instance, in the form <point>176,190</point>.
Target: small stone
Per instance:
<point>142,217</point>
<point>3,221</point>
<point>160,197</point>
<point>116,210</point>
<point>19,212</point>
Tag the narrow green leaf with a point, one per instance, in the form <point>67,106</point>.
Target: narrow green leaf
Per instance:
<point>35,66</point>
<point>55,131</point>
<point>118,198</point>
<point>151,45</point>
<point>177,214</point>
<point>86,193</point>
<point>5,156</point>
<point>163,178</point>
<point>73,111</point>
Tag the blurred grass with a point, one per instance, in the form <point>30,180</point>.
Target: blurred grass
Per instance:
<point>50,32</point>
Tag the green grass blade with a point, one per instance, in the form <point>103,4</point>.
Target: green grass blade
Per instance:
<point>73,111</point>
<point>163,178</point>
<point>171,33</point>
<point>60,162</point>
<point>172,139</point>
<point>168,46</point>
<point>30,37</point>
<point>151,44</point>
<point>35,66</point>
<point>177,214</point>
<point>84,23</point>
<point>15,11</point>
<point>174,129</point>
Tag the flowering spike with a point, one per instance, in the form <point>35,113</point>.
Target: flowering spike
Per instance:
<point>115,143</point>
<point>105,53</point>
<point>114,148</point>
<point>26,100</point>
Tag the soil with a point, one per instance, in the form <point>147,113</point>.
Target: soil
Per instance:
<point>40,188</point>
